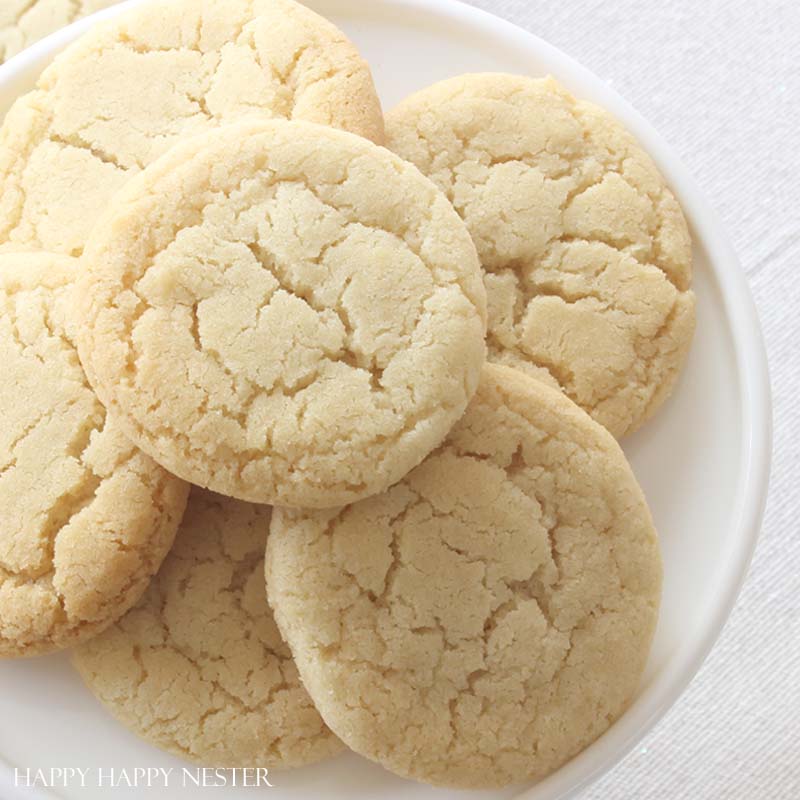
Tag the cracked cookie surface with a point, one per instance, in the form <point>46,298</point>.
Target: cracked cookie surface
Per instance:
<point>134,85</point>
<point>198,667</point>
<point>85,517</point>
<point>23,22</point>
<point>586,253</point>
<point>283,313</point>
<point>490,615</point>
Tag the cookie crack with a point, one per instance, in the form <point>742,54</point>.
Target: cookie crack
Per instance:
<point>77,142</point>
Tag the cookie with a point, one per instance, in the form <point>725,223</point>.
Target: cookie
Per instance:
<point>283,313</point>
<point>85,518</point>
<point>134,85</point>
<point>23,22</point>
<point>586,253</point>
<point>198,667</point>
<point>490,615</point>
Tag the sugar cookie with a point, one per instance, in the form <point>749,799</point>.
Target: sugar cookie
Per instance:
<point>283,313</point>
<point>198,667</point>
<point>491,614</point>
<point>85,518</point>
<point>586,253</point>
<point>134,85</point>
<point>23,22</point>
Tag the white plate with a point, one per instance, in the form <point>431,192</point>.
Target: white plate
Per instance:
<point>703,461</point>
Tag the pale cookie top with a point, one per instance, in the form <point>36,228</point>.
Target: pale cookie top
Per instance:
<point>586,252</point>
<point>129,89</point>
<point>490,615</point>
<point>198,667</point>
<point>284,313</point>
<point>23,22</point>
<point>85,518</point>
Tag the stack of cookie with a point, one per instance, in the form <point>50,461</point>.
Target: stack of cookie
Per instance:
<point>212,273</point>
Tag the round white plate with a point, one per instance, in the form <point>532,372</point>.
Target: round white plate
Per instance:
<point>703,461</point>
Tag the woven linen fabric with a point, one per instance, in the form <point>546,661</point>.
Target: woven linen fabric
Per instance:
<point>720,80</point>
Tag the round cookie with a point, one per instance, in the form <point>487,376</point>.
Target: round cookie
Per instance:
<point>85,518</point>
<point>23,22</point>
<point>198,667</point>
<point>133,86</point>
<point>586,253</point>
<point>283,313</point>
<point>490,615</point>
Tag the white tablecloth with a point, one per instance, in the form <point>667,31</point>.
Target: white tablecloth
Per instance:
<point>720,79</point>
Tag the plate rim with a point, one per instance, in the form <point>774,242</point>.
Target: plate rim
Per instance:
<point>750,359</point>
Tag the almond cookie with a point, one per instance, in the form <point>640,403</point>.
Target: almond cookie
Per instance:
<point>85,518</point>
<point>490,615</point>
<point>586,253</point>
<point>283,313</point>
<point>23,22</point>
<point>134,85</point>
<point>198,667</point>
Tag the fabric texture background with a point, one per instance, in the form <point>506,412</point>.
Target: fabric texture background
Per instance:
<point>720,80</point>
